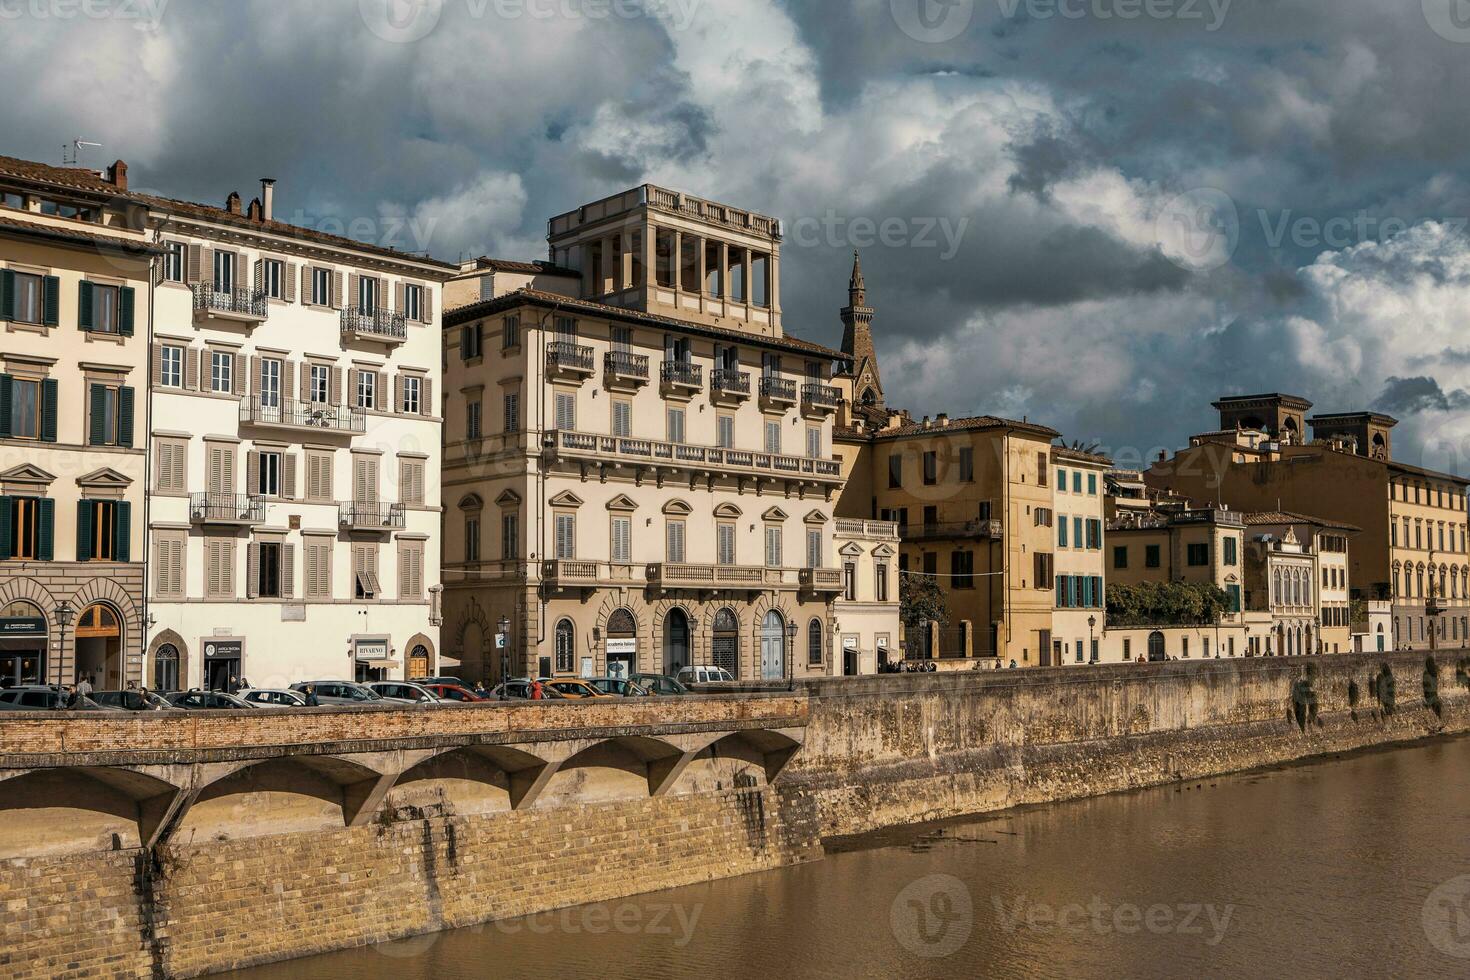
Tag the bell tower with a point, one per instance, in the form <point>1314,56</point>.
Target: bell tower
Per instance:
<point>857,340</point>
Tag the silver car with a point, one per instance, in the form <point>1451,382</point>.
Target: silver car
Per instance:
<point>340,692</point>
<point>274,699</point>
<point>404,691</point>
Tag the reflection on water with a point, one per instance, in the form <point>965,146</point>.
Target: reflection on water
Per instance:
<point>1345,869</point>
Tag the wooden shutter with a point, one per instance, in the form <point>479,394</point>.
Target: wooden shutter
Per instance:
<point>48,409</point>
<point>288,476</point>
<point>125,399</point>
<point>426,397</point>
<point>338,300</point>
<point>380,393</point>
<point>122,531</point>
<point>288,571</point>
<point>51,311</point>
<point>252,571</point>
<point>157,364</point>
<point>191,368</point>
<point>252,472</point>
<point>336,386</point>
<point>46,539</point>
<point>97,423</point>
<point>237,373</point>
<point>288,378</point>
<point>84,306</point>
<point>126,302</point>
<point>397,393</point>
<point>426,303</point>
<point>353,291</point>
<point>397,296</point>
<point>255,375</point>
<point>194,263</point>
<point>288,284</point>
<point>7,389</point>
<point>84,530</point>
<point>305,392</point>
<point>5,538</point>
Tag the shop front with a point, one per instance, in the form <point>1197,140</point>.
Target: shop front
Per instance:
<point>224,663</point>
<point>23,644</point>
<point>372,658</point>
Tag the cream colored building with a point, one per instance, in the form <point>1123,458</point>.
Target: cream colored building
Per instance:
<point>1079,622</point>
<point>639,473</point>
<point>1297,568</point>
<point>867,611</point>
<point>295,442</point>
<point>74,316</point>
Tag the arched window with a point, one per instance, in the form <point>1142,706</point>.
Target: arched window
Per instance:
<point>726,650</point>
<point>1156,648</point>
<point>814,642</point>
<point>166,668</point>
<point>566,647</point>
<point>621,625</point>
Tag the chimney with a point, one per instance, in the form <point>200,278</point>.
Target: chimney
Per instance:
<point>926,422</point>
<point>943,420</point>
<point>232,203</point>
<point>117,175</point>
<point>253,212</point>
<point>268,197</point>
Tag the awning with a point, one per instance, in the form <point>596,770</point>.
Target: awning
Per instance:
<point>380,664</point>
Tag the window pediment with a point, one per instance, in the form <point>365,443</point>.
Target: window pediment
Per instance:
<point>851,550</point>
<point>677,508</point>
<point>472,502</point>
<point>508,499</point>
<point>27,473</point>
<point>623,503</point>
<point>816,517</point>
<point>728,510</point>
<point>567,499</point>
<point>774,514</point>
<point>883,551</point>
<point>106,478</point>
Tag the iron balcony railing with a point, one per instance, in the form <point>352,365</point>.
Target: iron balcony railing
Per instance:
<point>561,354</point>
<point>226,508</point>
<point>235,301</point>
<point>626,364</point>
<point>731,382</point>
<point>684,456</point>
<point>381,324</point>
<point>778,389</point>
<point>958,529</point>
<point>682,373</point>
<point>302,415</point>
<point>369,515</point>
<point>822,396</point>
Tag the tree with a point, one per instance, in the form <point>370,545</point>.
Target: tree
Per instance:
<point>921,601</point>
<point>1166,604</point>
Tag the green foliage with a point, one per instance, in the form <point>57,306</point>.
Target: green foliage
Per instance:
<point>1166,604</point>
<point>921,601</point>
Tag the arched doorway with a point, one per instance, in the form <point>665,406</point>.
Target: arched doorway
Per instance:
<point>1380,638</point>
<point>676,642</point>
<point>566,647</point>
<point>23,640</point>
<point>622,643</point>
<point>773,647</point>
<point>99,648</point>
<point>418,661</point>
<point>726,652</point>
<point>1157,649</point>
<point>166,664</point>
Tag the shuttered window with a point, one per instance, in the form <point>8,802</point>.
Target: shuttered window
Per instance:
<point>168,564</point>
<point>411,482</point>
<point>814,442</point>
<point>566,536</point>
<point>725,431</point>
<point>512,409</point>
<point>410,570</point>
<point>365,571</point>
<point>725,543</point>
<point>219,568</point>
<point>622,419</point>
<point>170,465</point>
<point>566,411</point>
<point>110,415</point>
<point>773,437</point>
<point>676,425</point>
<point>674,532</point>
<point>774,558</point>
<point>622,540</point>
<point>318,568</point>
<point>365,479</point>
<point>510,536</point>
<point>319,475</point>
<point>814,549</point>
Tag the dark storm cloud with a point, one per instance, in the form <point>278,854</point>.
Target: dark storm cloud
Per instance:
<point>1411,396</point>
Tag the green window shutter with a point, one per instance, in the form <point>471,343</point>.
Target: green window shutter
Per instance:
<point>84,530</point>
<point>48,410</point>
<point>7,387</point>
<point>46,545</point>
<point>84,305</point>
<point>122,528</point>
<point>125,417</point>
<point>7,295</point>
<point>97,425</point>
<point>6,505</point>
<point>51,315</point>
<point>125,310</point>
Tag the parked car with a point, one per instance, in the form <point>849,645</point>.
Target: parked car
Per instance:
<point>208,701</point>
<point>429,681</point>
<point>43,698</point>
<point>574,689</point>
<point>621,686</point>
<point>704,675</point>
<point>519,689</point>
<point>453,692</point>
<point>266,698</point>
<point>340,692</point>
<point>661,684</point>
<point>406,692</point>
<point>131,700</point>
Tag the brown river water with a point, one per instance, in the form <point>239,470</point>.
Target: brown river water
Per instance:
<point>1344,868</point>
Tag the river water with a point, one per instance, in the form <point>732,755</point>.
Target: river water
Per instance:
<point>1348,868</point>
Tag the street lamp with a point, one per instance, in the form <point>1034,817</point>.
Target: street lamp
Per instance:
<point>64,613</point>
<point>502,640</point>
<point>1091,641</point>
<point>791,647</point>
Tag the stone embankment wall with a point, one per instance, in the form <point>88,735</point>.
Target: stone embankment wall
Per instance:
<point>449,845</point>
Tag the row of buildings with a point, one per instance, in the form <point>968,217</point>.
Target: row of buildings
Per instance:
<point>236,447</point>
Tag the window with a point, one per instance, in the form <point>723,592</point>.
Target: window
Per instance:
<point>224,271</point>
<point>1076,481</point>
<point>566,536</point>
<point>26,528</point>
<point>1062,481</point>
<point>105,309</point>
<point>814,549</point>
<point>962,569</point>
<point>318,568</point>
<point>472,413</point>
<point>1043,470</point>
<point>814,442</point>
<point>725,544</point>
<point>367,389</point>
<point>413,394</point>
<point>219,579</point>
<point>411,482</point>
<point>365,571</point>
<point>471,539</point>
<point>510,336</point>
<point>676,425</point>
<point>111,421</point>
<point>471,341</point>
<point>622,418</point>
<point>221,372</point>
<point>268,479</point>
<point>566,411</point>
<point>1045,574</point>
<point>849,581</point>
<point>1094,535</point>
<point>967,464</point>
<point>27,298</point>
<point>413,301</point>
<point>411,570</point>
<point>31,406</point>
<point>168,564</point>
<point>622,540</point>
<point>931,469</point>
<point>103,530</point>
<point>173,261</point>
<point>773,438</point>
<point>773,546</point>
<point>674,532</point>
<point>319,386</point>
<point>266,575</point>
<point>170,461</point>
<point>1120,556</point>
<point>510,536</point>
<point>566,647</point>
<point>725,431</point>
<point>1062,533</point>
<point>1232,552</point>
<point>171,366</point>
<point>1198,555</point>
<point>895,472</point>
<point>270,383</point>
<point>367,295</point>
<point>273,278</point>
<point>1092,484</point>
<point>511,408</point>
<point>814,633</point>
<point>880,582</point>
<point>321,287</point>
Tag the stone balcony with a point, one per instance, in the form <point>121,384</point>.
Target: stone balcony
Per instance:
<point>827,580</point>
<point>234,509</point>
<point>237,304</point>
<point>681,377</point>
<point>873,530</point>
<point>664,458</point>
<point>285,413</point>
<point>715,578</point>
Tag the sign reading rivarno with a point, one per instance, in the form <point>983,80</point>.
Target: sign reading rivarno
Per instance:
<point>372,649</point>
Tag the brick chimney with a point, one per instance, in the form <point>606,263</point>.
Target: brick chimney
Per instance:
<point>255,210</point>
<point>268,197</point>
<point>117,175</point>
<point>232,203</point>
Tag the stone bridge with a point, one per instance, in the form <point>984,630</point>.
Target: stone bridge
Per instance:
<point>72,782</point>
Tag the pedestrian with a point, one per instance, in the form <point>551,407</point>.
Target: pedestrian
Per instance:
<point>73,697</point>
<point>84,688</point>
<point>311,698</point>
<point>537,692</point>
<point>480,691</point>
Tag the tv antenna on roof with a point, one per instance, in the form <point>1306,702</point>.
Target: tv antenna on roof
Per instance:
<point>73,153</point>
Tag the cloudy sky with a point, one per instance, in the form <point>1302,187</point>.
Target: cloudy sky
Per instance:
<point>1096,213</point>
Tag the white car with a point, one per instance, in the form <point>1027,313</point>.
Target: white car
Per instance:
<point>703,675</point>
<point>274,699</point>
<point>405,692</point>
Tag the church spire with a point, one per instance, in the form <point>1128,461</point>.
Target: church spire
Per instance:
<point>857,289</point>
<point>857,339</point>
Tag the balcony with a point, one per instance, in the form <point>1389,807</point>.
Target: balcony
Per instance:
<point>380,326</point>
<point>287,414</point>
<point>729,385</point>
<point>566,358</point>
<point>672,456</point>
<point>975,530</point>
<point>879,530</point>
<point>570,574</point>
<point>714,577</point>
<point>238,509</point>
<point>778,391</point>
<point>821,580</point>
<point>681,376</point>
<point>819,399</point>
<point>369,515</point>
<point>624,369</point>
<point>241,305</point>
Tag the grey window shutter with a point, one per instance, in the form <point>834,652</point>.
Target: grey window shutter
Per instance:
<point>252,473</point>
<point>288,571</point>
<point>288,475</point>
<point>289,286</point>
<point>336,386</point>
<point>354,292</point>
<point>157,364</point>
<point>305,392</point>
<point>288,378</point>
<point>351,386</point>
<point>257,273</point>
<point>398,296</point>
<point>242,265</point>
<point>426,303</point>
<point>238,374</point>
<point>194,263</point>
<point>191,368</point>
<point>380,392</point>
<point>255,374</point>
<point>426,397</point>
<point>252,571</point>
<point>397,393</point>
<point>338,300</point>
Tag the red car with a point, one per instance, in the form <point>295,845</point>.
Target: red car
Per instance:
<point>453,692</point>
